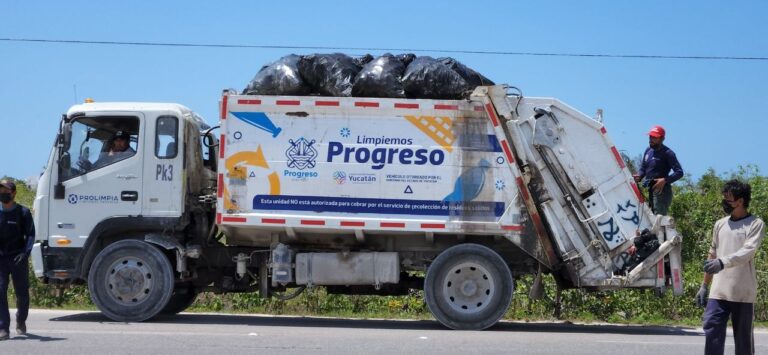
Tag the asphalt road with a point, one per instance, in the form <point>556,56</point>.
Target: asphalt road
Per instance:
<point>78,332</point>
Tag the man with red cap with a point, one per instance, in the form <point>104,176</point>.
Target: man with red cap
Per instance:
<point>658,161</point>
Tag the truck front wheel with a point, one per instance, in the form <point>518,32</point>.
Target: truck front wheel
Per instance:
<point>130,281</point>
<point>181,299</point>
<point>468,287</point>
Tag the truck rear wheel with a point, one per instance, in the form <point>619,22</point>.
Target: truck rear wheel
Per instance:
<point>468,287</point>
<point>130,281</point>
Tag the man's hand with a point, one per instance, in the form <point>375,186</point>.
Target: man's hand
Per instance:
<point>702,295</point>
<point>632,250</point>
<point>84,165</point>
<point>658,184</point>
<point>18,258</point>
<point>713,266</point>
<point>636,177</point>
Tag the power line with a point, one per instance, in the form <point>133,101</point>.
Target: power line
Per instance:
<point>373,49</point>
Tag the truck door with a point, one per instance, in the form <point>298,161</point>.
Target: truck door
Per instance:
<point>100,182</point>
<point>163,167</point>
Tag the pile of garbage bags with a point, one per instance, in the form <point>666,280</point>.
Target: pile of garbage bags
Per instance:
<point>393,76</point>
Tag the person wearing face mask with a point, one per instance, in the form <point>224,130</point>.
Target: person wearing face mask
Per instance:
<point>654,171</point>
<point>730,271</point>
<point>17,235</point>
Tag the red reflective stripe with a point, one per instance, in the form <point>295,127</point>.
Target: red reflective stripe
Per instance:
<point>273,220</point>
<point>220,186</point>
<point>676,275</point>
<point>538,225</point>
<point>507,151</point>
<point>288,102</point>
<point>224,100</point>
<point>366,104</point>
<point>433,225</point>
<point>637,192</point>
<point>234,219</point>
<point>312,222</point>
<point>326,103</point>
<point>523,190</point>
<point>603,130</point>
<point>398,105</point>
<point>221,147</point>
<point>660,269</point>
<point>492,114</point>
<point>352,224</point>
<point>514,227</point>
<point>479,108</point>
<point>249,102</point>
<point>218,218</point>
<point>392,225</point>
<point>446,107</point>
<point>618,157</point>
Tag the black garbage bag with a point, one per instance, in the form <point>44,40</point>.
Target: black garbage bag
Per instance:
<point>361,61</point>
<point>406,58</point>
<point>329,74</point>
<point>280,77</point>
<point>427,78</point>
<point>380,78</point>
<point>645,245</point>
<point>473,78</point>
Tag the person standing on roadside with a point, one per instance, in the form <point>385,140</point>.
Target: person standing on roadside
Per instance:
<point>17,235</point>
<point>654,174</point>
<point>731,272</point>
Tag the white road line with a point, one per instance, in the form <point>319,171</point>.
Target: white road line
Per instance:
<point>123,332</point>
<point>648,342</point>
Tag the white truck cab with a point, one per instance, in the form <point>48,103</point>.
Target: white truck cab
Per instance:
<point>94,190</point>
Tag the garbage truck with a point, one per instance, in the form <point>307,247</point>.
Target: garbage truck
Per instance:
<point>374,196</point>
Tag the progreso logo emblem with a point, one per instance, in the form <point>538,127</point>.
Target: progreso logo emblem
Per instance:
<point>301,155</point>
<point>74,199</point>
<point>379,157</point>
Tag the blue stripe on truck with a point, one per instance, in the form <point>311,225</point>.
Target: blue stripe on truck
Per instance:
<point>471,209</point>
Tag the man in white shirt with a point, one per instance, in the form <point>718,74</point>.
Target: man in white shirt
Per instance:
<point>730,270</point>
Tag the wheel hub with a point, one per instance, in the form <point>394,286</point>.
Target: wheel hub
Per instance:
<point>129,281</point>
<point>468,287</point>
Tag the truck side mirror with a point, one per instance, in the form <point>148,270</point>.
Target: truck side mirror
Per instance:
<point>65,166</point>
<point>58,191</point>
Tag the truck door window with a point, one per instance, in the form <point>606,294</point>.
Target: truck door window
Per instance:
<point>96,142</point>
<point>166,137</point>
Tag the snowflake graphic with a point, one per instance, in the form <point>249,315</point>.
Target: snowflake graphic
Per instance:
<point>345,132</point>
<point>500,184</point>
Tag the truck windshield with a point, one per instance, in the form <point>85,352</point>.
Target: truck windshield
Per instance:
<point>96,142</point>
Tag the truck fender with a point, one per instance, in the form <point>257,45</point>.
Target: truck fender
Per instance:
<point>114,229</point>
<point>170,243</point>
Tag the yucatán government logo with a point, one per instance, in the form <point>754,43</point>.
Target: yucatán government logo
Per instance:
<point>301,154</point>
<point>75,199</point>
<point>340,177</point>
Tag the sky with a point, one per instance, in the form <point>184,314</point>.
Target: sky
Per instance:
<point>715,111</point>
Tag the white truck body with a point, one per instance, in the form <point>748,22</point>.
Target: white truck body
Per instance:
<point>354,194</point>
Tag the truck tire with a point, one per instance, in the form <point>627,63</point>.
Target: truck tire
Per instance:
<point>130,281</point>
<point>468,287</point>
<point>181,299</point>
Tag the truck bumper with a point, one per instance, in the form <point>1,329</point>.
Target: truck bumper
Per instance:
<point>59,263</point>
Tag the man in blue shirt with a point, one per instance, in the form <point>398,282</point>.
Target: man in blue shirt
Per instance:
<point>655,168</point>
<point>17,235</point>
